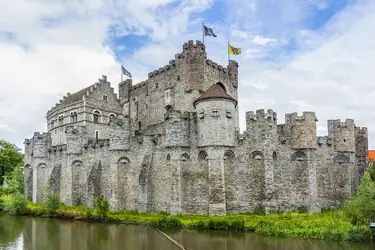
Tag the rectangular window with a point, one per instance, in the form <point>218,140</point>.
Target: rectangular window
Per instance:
<point>229,114</point>
<point>105,98</point>
<point>215,112</point>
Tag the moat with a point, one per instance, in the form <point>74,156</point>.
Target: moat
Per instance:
<point>22,232</point>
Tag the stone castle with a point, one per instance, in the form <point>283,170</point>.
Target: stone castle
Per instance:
<point>172,143</point>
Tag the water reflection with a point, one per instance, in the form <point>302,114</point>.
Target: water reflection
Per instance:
<point>39,234</point>
<point>46,234</point>
<point>220,240</point>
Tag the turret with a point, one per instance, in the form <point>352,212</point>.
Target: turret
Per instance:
<point>40,144</point>
<point>119,137</point>
<point>124,90</point>
<point>233,73</point>
<point>302,130</point>
<point>343,134</point>
<point>216,118</point>
<point>361,142</point>
<point>261,125</point>
<point>193,57</point>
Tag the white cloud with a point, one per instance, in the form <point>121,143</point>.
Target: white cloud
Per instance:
<point>54,47</point>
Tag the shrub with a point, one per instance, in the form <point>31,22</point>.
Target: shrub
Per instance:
<point>101,208</point>
<point>167,222</point>
<point>361,208</point>
<point>237,224</point>
<point>53,203</point>
<point>16,205</point>
<point>1,204</point>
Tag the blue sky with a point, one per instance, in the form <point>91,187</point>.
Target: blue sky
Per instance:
<point>297,55</point>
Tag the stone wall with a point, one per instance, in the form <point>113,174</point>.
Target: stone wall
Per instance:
<point>155,151</point>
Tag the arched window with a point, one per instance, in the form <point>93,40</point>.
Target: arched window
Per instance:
<point>77,163</point>
<point>123,160</point>
<point>342,159</point>
<point>42,165</point>
<point>96,135</point>
<point>202,155</point>
<point>61,119</point>
<point>185,157</point>
<point>96,116</point>
<point>112,117</point>
<point>256,155</point>
<point>299,156</point>
<point>229,155</point>
<point>73,116</point>
<point>168,157</point>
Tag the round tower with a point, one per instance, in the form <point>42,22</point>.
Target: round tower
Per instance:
<point>216,117</point>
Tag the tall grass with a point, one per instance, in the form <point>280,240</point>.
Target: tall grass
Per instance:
<point>329,225</point>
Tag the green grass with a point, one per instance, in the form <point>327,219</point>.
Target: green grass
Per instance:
<point>329,225</point>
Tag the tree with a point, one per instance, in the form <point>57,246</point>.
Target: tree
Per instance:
<point>10,158</point>
<point>361,208</point>
<point>13,181</point>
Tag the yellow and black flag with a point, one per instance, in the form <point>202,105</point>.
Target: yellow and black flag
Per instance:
<point>233,51</point>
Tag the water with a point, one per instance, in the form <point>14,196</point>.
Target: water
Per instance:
<point>43,233</point>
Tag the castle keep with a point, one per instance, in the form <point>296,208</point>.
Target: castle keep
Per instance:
<point>172,143</point>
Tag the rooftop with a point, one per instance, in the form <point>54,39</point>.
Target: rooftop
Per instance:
<point>215,91</point>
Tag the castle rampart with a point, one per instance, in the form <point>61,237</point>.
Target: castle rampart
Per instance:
<point>171,143</point>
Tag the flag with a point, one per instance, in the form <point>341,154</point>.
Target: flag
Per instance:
<point>234,51</point>
<point>125,72</point>
<point>208,31</point>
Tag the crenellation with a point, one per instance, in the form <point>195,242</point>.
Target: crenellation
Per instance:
<point>172,143</point>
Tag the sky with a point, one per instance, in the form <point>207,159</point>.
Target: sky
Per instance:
<point>297,55</point>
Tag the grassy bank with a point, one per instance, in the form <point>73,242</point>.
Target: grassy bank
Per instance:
<point>332,225</point>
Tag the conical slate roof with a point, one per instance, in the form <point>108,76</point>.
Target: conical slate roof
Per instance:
<point>215,92</point>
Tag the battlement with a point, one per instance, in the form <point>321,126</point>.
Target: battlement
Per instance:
<point>191,45</point>
<point>306,116</point>
<point>41,136</point>
<point>324,140</point>
<point>260,115</point>
<point>339,123</point>
<point>361,130</point>
<point>161,70</point>
<point>217,66</point>
<point>176,114</point>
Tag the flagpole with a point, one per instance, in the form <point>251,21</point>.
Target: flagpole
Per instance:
<point>203,32</point>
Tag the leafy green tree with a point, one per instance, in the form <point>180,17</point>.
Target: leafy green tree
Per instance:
<point>10,157</point>
<point>13,181</point>
<point>361,208</point>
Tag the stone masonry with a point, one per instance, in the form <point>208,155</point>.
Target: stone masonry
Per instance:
<point>172,143</point>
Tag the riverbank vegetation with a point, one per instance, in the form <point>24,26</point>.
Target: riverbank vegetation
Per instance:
<point>350,223</point>
<point>330,225</point>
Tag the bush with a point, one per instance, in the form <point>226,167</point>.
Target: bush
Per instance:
<point>16,204</point>
<point>237,224</point>
<point>53,203</point>
<point>167,222</point>
<point>1,204</point>
<point>361,208</point>
<point>101,208</point>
